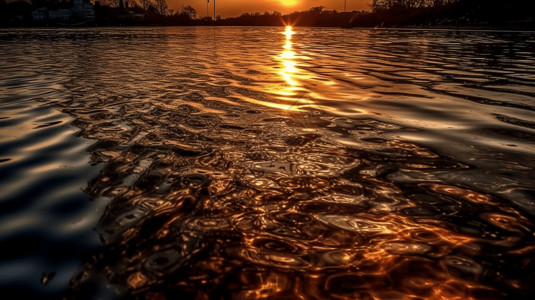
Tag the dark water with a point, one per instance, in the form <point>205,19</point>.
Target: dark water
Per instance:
<point>263,163</point>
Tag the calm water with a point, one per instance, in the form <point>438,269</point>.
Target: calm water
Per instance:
<point>267,163</point>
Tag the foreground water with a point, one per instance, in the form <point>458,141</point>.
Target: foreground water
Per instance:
<point>267,163</point>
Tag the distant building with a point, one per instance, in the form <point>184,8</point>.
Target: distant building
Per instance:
<point>81,10</point>
<point>60,14</point>
<point>40,14</point>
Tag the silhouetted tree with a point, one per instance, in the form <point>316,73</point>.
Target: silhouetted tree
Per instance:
<point>190,11</point>
<point>130,3</point>
<point>316,9</point>
<point>110,3</point>
<point>145,4</point>
<point>450,12</point>
<point>161,7</point>
<point>396,4</point>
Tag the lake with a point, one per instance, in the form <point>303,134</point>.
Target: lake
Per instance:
<point>267,162</point>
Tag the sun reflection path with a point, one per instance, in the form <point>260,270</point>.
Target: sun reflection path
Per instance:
<point>288,91</point>
<point>288,60</point>
<point>292,91</point>
<point>300,87</point>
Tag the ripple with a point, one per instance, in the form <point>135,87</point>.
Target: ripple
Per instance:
<point>163,263</point>
<point>208,224</point>
<point>273,256</point>
<point>373,164</point>
<point>463,266</point>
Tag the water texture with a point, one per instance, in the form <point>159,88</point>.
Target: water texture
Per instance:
<point>46,220</point>
<point>267,163</point>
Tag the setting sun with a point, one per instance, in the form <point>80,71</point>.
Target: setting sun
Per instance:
<point>289,2</point>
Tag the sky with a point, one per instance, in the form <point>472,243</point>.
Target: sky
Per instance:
<point>233,8</point>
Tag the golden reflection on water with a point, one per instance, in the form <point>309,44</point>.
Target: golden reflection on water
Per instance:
<point>291,91</point>
<point>288,59</point>
<point>292,86</point>
<point>288,92</point>
<point>295,90</point>
<point>327,208</point>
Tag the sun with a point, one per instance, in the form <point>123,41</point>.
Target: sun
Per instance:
<point>289,2</point>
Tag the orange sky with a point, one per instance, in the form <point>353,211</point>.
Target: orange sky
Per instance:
<point>232,8</point>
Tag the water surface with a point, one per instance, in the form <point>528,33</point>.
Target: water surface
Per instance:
<point>269,163</point>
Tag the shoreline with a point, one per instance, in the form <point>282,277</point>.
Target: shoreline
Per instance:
<point>412,27</point>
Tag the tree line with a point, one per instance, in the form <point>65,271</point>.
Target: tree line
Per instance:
<point>385,13</point>
<point>501,13</point>
<point>141,12</point>
<point>315,16</point>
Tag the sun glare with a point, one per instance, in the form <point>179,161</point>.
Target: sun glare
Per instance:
<point>288,33</point>
<point>289,2</point>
